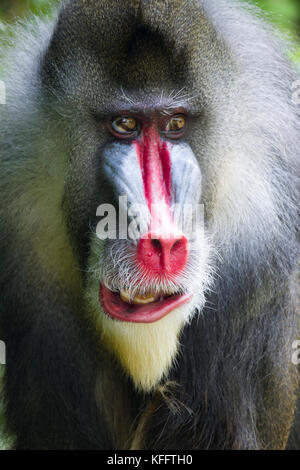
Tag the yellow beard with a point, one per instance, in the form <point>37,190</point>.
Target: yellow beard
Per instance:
<point>146,351</point>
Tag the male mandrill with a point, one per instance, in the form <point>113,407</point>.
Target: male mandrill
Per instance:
<point>170,329</point>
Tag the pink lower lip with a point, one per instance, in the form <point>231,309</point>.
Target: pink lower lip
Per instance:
<point>120,310</point>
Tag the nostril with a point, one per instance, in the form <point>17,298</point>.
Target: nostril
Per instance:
<point>156,244</point>
<point>176,245</point>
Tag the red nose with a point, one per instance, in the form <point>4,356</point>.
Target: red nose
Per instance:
<point>159,255</point>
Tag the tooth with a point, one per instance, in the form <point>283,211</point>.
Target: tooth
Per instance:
<point>138,299</point>
<point>143,299</point>
<point>124,294</point>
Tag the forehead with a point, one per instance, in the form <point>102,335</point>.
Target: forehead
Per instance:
<point>148,61</point>
<point>126,57</point>
<point>144,69</point>
<point>142,75</point>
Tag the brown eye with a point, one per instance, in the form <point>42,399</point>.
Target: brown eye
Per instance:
<point>125,125</point>
<point>175,126</point>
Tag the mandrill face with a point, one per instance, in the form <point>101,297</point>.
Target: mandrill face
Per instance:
<point>149,256</point>
<point>136,183</point>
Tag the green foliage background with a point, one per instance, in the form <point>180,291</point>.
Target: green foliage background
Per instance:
<point>11,9</point>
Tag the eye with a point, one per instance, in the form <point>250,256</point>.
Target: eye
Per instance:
<point>175,127</point>
<point>125,125</point>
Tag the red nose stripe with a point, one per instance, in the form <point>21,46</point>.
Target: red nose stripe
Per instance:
<point>163,250</point>
<point>155,164</point>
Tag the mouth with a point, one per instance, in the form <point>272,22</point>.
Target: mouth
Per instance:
<point>141,309</point>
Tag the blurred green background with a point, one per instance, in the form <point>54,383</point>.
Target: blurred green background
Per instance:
<point>284,13</point>
<point>11,9</point>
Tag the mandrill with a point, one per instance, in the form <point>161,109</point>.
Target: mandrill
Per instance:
<point>149,156</point>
